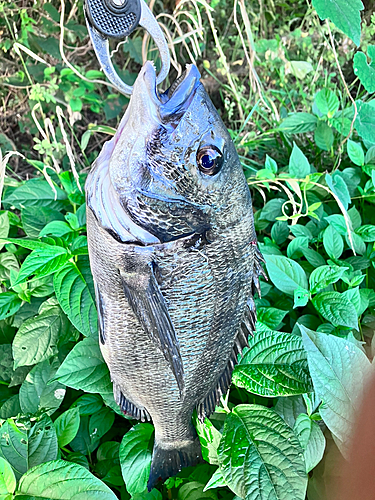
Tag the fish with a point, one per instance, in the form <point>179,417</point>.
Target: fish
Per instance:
<point>175,262</point>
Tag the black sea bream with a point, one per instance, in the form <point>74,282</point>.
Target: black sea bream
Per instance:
<point>174,259</point>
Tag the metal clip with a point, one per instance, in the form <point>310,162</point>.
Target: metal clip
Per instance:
<point>118,19</point>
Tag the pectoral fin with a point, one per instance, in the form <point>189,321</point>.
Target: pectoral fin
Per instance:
<point>145,298</point>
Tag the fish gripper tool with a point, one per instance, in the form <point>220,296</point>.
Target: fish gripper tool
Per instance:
<point>117,19</point>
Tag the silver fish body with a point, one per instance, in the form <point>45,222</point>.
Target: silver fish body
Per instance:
<point>174,259</point>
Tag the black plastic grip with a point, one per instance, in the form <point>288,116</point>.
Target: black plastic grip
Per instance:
<point>111,19</point>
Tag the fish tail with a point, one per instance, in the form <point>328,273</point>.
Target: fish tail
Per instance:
<point>167,462</point>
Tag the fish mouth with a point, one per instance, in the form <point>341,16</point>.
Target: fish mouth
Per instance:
<point>175,101</point>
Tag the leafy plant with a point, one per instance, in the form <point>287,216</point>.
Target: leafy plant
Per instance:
<point>304,129</point>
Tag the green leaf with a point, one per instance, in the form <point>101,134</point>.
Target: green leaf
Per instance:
<point>367,233</point>
<point>272,209</point>
<point>60,480</point>
<point>267,459</point>
<point>43,262</point>
<point>101,422</point>
<point>323,136</point>
<point>274,365</point>
<point>34,219</point>
<point>299,123</point>
<point>355,153</point>
<point>339,370</point>
<point>270,165</point>
<point>327,102</point>
<point>270,316</point>
<point>286,274</point>
<point>37,338</point>
<point>37,394</point>
<point>84,368</point>
<point>88,404</point>
<point>7,478</point>
<point>338,186</point>
<point>338,223</point>
<point>345,14</point>
<point>135,457</point>
<point>365,71</point>
<point>312,440</point>
<point>35,192</point>
<point>299,165</point>
<point>295,247</point>
<point>24,448</point>
<point>4,227</point>
<point>67,425</point>
<point>333,242</point>
<point>209,438</point>
<point>323,276</point>
<point>336,308</point>
<point>56,228</point>
<point>195,491</point>
<point>365,121</point>
<point>6,362</point>
<point>9,304</point>
<point>314,258</point>
<point>74,290</point>
<point>301,297</point>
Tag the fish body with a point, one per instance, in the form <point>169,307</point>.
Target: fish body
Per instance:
<point>174,259</point>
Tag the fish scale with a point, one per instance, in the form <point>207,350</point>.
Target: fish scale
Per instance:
<point>173,254</point>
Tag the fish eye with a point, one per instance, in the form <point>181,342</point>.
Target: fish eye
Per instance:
<point>210,160</point>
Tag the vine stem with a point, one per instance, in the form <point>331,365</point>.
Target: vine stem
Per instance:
<point>344,83</point>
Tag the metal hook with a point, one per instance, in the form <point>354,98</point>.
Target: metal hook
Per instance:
<point>118,19</point>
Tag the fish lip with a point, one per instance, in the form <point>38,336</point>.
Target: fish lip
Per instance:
<point>145,88</point>
<point>181,199</point>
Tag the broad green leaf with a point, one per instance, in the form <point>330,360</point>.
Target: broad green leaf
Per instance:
<point>327,102</point>
<point>270,165</point>
<point>323,136</point>
<point>216,481</point>
<point>314,258</point>
<point>84,368</point>
<point>135,457</point>
<point>336,308</point>
<point>35,192</point>
<point>34,219</point>
<point>267,460</point>
<point>338,222</point>
<point>286,274</point>
<point>355,218</point>
<point>301,297</point>
<point>274,365</point>
<point>73,287</point>
<point>337,185</point>
<point>107,459</point>
<point>56,228</point>
<point>67,425</point>
<point>7,478</point>
<point>8,261</point>
<point>323,276</point>
<point>298,123</point>
<point>279,232</point>
<point>60,480</point>
<point>88,404</point>
<point>312,440</point>
<point>9,304</point>
<point>345,14</point>
<point>84,442</point>
<point>367,233</point>
<point>299,165</point>
<point>37,338</point>
<point>300,68</point>
<point>270,316</point>
<point>4,227</point>
<point>195,491</point>
<point>37,394</point>
<point>43,262</point>
<point>6,362</point>
<point>339,371</point>
<point>272,209</point>
<point>365,121</point>
<point>333,242</point>
<point>24,448</point>
<point>355,152</point>
<point>101,422</point>
<point>295,247</point>
<point>365,71</point>
<point>289,408</point>
<point>209,438</point>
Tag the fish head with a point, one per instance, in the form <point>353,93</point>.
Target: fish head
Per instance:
<point>174,165</point>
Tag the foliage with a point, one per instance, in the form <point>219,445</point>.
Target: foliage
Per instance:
<point>303,121</point>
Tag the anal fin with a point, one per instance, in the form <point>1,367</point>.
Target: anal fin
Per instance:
<point>129,408</point>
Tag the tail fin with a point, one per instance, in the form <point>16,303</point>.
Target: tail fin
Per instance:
<point>168,462</point>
